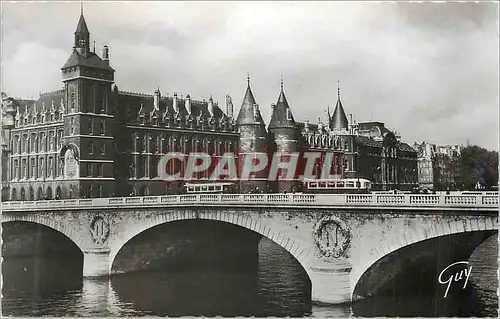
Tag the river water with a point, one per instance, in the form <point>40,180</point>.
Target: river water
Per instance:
<point>278,287</point>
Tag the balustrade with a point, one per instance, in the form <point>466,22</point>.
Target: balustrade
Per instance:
<point>389,200</point>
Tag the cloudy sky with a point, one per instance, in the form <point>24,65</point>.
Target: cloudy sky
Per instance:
<point>429,71</point>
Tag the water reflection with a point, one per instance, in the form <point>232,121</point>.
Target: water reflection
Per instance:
<point>278,287</point>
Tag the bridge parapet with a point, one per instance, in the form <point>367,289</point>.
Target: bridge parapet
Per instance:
<point>395,201</point>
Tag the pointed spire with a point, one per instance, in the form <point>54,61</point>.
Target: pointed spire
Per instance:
<point>81,7</point>
<point>246,114</point>
<point>339,118</point>
<point>282,114</point>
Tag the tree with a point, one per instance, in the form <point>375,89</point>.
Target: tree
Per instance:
<point>478,165</point>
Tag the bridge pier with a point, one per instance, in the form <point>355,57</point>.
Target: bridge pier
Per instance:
<point>96,262</point>
<point>330,284</point>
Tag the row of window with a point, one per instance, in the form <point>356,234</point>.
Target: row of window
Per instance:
<point>95,170</point>
<point>165,144</point>
<point>37,119</point>
<point>47,194</point>
<point>36,168</point>
<point>102,126</point>
<point>102,148</point>
<point>36,142</point>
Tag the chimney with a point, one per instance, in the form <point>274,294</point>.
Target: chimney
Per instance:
<point>156,99</point>
<point>188,104</point>
<point>175,104</point>
<point>229,106</point>
<point>210,106</point>
<point>105,53</point>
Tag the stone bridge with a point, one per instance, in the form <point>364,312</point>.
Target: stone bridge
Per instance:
<point>336,238</point>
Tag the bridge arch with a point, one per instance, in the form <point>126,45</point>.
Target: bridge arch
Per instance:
<point>410,236</point>
<point>65,230</point>
<point>271,233</point>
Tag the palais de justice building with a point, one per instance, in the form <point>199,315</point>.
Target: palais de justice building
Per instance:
<point>90,139</point>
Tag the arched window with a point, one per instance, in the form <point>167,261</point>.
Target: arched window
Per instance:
<point>39,193</point>
<point>14,194</point>
<point>58,193</point>
<point>49,192</point>
<point>23,193</point>
<point>31,194</point>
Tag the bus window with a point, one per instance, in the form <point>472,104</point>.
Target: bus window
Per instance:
<point>312,185</point>
<point>340,184</point>
<point>331,184</point>
<point>349,184</point>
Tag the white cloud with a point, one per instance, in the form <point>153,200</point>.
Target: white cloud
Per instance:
<point>428,71</point>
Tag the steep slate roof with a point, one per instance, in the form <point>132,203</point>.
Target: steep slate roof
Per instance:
<point>279,117</point>
<point>82,25</point>
<point>91,60</point>
<point>56,97</point>
<point>339,119</point>
<point>132,103</point>
<point>246,114</point>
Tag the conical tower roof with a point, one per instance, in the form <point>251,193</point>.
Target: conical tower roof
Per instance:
<point>82,25</point>
<point>249,113</point>
<point>339,119</point>
<point>282,114</point>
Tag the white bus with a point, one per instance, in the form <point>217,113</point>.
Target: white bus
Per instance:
<point>346,185</point>
<point>210,188</point>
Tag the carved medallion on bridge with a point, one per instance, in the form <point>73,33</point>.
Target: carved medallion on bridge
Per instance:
<point>99,229</point>
<point>332,237</point>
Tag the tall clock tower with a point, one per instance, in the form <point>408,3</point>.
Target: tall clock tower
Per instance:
<point>87,149</point>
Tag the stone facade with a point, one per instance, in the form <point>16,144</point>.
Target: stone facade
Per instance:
<point>384,159</point>
<point>438,166</point>
<point>91,139</point>
<point>334,246</point>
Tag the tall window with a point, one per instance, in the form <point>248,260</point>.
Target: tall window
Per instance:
<point>72,97</point>
<point>51,142</point>
<point>59,139</point>
<point>89,169</point>
<point>42,142</point>
<point>91,148</point>
<point>51,166</point>
<point>91,126</point>
<point>99,170</point>
<point>33,168</point>
<point>100,190</point>
<point>72,126</point>
<point>33,141</point>
<point>102,127</point>
<point>42,171</point>
<point>24,168</point>
<point>16,169</point>
<point>103,148</point>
